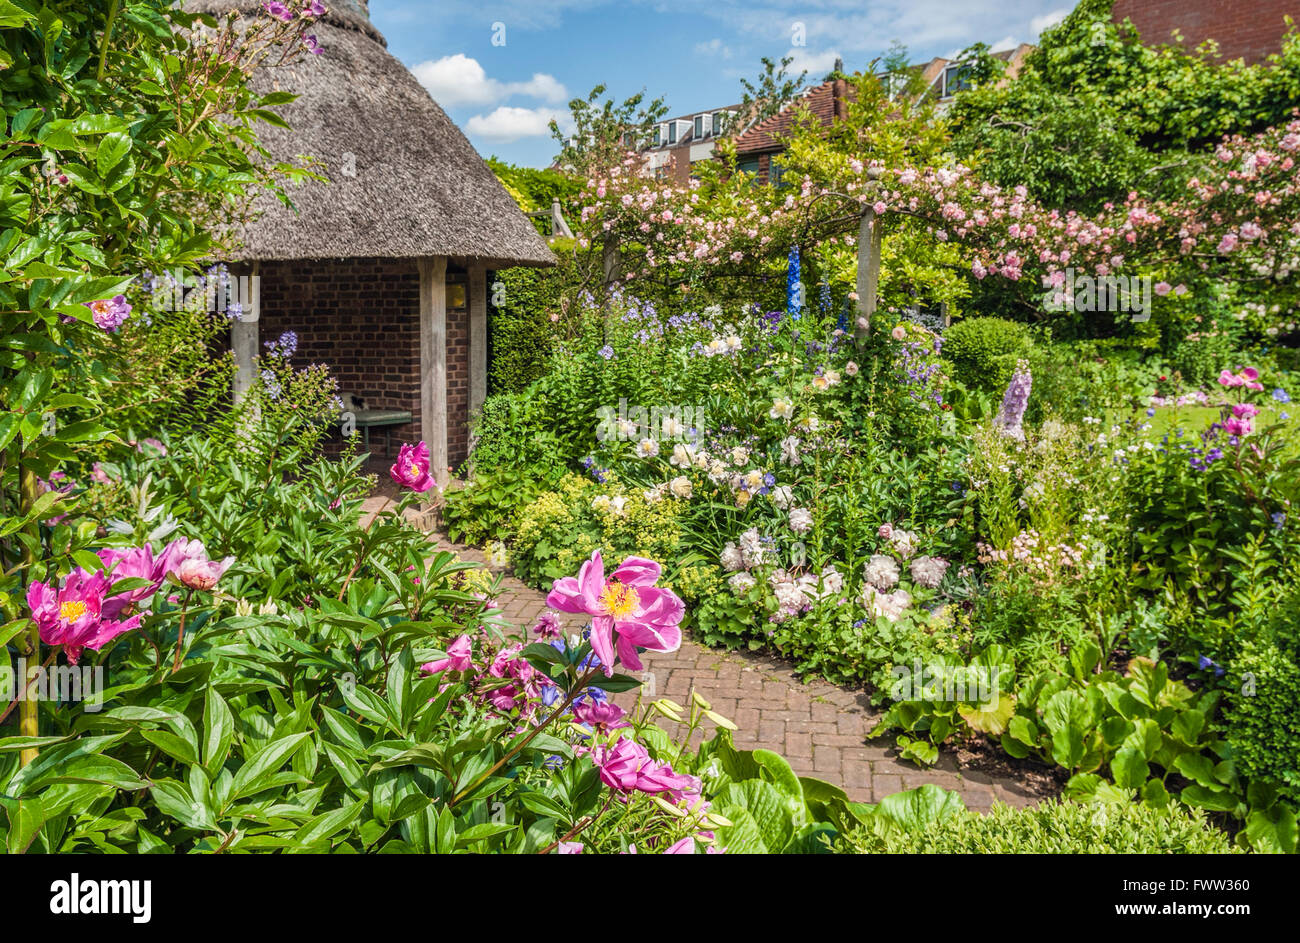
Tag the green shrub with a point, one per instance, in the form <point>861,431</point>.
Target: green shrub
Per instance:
<point>983,351</point>
<point>513,431</point>
<point>1260,721</point>
<point>560,529</point>
<point>526,318</point>
<point>1055,828</point>
<point>485,508</point>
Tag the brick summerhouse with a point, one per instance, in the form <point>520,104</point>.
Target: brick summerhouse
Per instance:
<point>382,271</point>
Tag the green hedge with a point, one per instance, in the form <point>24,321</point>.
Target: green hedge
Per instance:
<point>1056,828</point>
<point>983,351</point>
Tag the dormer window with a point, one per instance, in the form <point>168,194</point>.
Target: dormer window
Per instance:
<point>672,132</point>
<point>956,78</point>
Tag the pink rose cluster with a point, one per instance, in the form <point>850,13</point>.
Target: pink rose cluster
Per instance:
<point>82,612</point>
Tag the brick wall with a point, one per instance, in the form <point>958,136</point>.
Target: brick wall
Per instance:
<point>361,317</point>
<point>1249,29</point>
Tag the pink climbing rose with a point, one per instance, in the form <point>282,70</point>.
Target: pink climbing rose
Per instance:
<point>72,615</point>
<point>627,610</point>
<point>411,469</point>
<point>109,313</point>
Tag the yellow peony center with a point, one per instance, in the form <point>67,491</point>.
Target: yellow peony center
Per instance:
<point>413,470</point>
<point>619,600</point>
<point>72,611</point>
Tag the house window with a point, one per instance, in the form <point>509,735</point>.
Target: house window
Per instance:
<point>717,122</point>
<point>658,137</point>
<point>775,171</point>
<point>956,78</point>
<point>749,165</point>
<point>672,132</point>
<point>699,126</point>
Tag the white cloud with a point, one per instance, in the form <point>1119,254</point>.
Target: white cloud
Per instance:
<point>460,80</point>
<point>1003,44</point>
<point>817,64</point>
<point>510,124</point>
<point>1040,23</point>
<point>714,47</point>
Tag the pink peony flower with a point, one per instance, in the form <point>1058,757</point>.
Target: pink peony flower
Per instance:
<point>73,615</point>
<point>133,563</point>
<point>626,609</point>
<point>627,767</point>
<point>412,468</point>
<point>458,658</point>
<point>188,561</point>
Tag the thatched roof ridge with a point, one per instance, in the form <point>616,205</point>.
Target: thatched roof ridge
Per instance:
<point>404,181</point>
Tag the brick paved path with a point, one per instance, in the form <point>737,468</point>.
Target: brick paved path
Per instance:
<point>821,729</point>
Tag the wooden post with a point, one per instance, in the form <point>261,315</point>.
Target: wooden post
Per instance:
<point>478,337</point>
<point>244,337</point>
<point>869,239</point>
<point>609,261</point>
<point>559,228</point>
<point>433,363</point>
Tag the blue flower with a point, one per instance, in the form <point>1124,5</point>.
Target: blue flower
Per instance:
<point>1281,395</point>
<point>607,352</point>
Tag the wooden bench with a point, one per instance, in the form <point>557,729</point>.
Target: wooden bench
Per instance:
<point>367,419</point>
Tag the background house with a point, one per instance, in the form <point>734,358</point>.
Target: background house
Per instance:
<point>685,140</point>
<point>382,272</point>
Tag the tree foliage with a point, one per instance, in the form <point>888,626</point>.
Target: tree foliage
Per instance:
<point>1095,112</point>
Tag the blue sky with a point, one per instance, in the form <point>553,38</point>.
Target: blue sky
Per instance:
<point>691,52</point>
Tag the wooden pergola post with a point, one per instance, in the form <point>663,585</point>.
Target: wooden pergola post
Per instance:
<point>433,363</point>
<point>869,244</point>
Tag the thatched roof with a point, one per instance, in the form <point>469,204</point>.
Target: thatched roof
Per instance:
<point>419,188</point>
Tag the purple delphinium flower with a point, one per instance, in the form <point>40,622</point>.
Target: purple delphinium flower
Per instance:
<point>1281,395</point>
<point>1012,414</point>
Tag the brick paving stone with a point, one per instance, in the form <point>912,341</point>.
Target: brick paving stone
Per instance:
<point>819,727</point>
